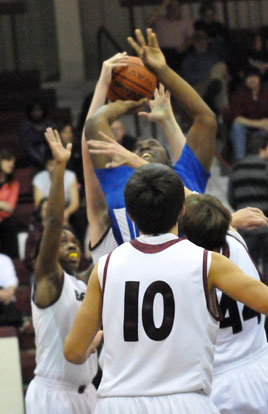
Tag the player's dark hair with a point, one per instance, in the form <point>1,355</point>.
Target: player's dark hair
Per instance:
<point>154,197</point>
<point>205,222</point>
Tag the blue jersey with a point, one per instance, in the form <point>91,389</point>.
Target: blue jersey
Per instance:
<point>113,181</point>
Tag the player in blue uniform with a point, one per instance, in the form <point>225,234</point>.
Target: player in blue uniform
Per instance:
<point>196,157</point>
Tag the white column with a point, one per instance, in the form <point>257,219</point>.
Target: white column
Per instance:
<point>69,36</point>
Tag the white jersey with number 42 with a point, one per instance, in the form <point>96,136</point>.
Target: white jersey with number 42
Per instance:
<point>241,331</point>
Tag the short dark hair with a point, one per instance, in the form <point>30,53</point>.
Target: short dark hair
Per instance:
<point>256,143</point>
<point>251,71</point>
<point>154,197</point>
<point>206,5</point>
<point>33,104</point>
<point>5,154</point>
<point>206,221</point>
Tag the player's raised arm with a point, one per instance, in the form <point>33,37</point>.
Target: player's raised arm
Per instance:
<point>201,137</point>
<point>48,272</point>
<point>162,114</point>
<point>230,279</point>
<point>101,121</point>
<point>100,93</point>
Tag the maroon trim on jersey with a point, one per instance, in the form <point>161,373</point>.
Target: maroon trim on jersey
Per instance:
<point>261,275</point>
<point>226,250</point>
<point>153,248</point>
<point>211,298</point>
<point>91,248</point>
<point>105,274</point>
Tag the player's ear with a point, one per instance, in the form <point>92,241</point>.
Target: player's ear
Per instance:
<point>182,212</point>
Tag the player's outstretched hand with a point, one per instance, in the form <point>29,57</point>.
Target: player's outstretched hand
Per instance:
<point>160,106</point>
<point>249,218</point>
<point>149,51</point>
<point>60,154</point>
<point>111,148</point>
<point>120,59</point>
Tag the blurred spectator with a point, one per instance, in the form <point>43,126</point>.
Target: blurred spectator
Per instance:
<point>9,192</point>
<point>9,314</point>
<point>35,231</point>
<point>120,135</point>
<point>203,69</point>
<point>257,56</point>
<point>31,134</point>
<point>248,186</point>
<point>174,30</point>
<point>68,135</point>
<point>216,31</point>
<point>248,112</point>
<point>83,113</point>
<point>72,214</point>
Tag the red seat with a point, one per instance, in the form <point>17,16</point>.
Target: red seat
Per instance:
<point>23,214</point>
<point>22,80</point>
<point>25,176</point>
<point>23,273</point>
<point>23,296</point>
<point>27,365</point>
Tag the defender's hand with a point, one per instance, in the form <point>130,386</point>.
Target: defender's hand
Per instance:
<point>60,154</point>
<point>149,51</point>
<point>160,106</point>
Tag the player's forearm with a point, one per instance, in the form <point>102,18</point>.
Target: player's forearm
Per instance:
<point>56,200</point>
<point>174,136</point>
<point>97,214</point>
<point>188,99</point>
<point>99,97</point>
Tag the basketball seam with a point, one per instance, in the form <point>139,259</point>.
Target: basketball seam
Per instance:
<point>116,94</point>
<point>135,83</point>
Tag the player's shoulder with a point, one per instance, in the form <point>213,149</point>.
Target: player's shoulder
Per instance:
<point>234,238</point>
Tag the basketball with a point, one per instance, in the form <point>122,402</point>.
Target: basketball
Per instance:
<point>132,82</point>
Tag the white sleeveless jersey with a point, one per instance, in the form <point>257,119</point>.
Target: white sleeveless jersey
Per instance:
<point>52,324</point>
<point>159,336</point>
<point>241,332</point>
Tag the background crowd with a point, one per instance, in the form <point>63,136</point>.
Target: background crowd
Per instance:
<point>229,72</point>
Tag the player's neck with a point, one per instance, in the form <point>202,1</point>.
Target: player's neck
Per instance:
<point>173,230</point>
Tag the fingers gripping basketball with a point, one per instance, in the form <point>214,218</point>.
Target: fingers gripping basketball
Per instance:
<point>132,82</point>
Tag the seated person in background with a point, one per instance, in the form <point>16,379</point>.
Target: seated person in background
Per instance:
<point>257,56</point>
<point>216,31</point>
<point>248,112</point>
<point>35,230</point>
<point>120,135</point>
<point>31,134</point>
<point>206,73</point>
<point>248,185</point>
<point>174,31</point>
<point>9,314</point>
<point>68,135</point>
<point>9,192</point>
<point>72,213</point>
